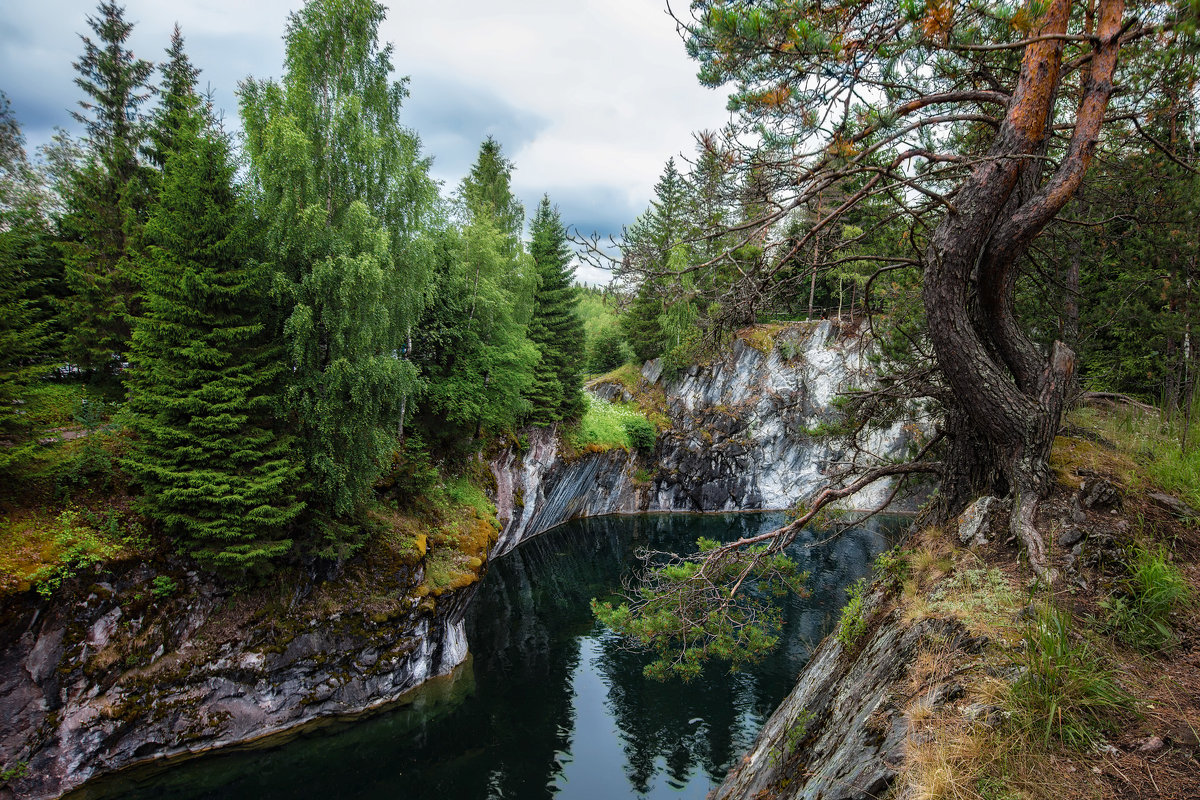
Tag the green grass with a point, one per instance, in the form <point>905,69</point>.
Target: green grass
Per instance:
<point>603,426</point>
<point>1155,445</point>
<point>1139,612</point>
<point>1064,692</point>
<point>461,492</point>
<point>64,404</point>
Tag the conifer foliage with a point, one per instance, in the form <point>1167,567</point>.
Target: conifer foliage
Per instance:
<point>215,471</point>
<point>555,328</point>
<point>107,197</point>
<point>22,243</point>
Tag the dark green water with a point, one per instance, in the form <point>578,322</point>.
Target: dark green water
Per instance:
<point>550,705</point>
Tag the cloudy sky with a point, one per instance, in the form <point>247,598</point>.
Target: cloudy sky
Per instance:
<point>588,97</point>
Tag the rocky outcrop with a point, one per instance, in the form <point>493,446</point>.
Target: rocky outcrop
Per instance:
<point>740,438</point>
<point>119,677</point>
<point>841,733</point>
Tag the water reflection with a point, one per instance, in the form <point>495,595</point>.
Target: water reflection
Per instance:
<point>551,705</point>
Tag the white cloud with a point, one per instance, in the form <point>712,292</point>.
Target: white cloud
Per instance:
<point>596,93</point>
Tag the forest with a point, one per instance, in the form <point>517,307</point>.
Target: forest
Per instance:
<point>275,326</point>
<point>276,353</point>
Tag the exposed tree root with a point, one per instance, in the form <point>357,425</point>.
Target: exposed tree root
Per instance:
<point>1024,512</point>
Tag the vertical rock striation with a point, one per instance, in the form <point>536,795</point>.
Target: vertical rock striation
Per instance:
<point>739,439</point>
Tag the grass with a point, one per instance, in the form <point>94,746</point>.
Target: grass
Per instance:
<point>603,426</point>
<point>1064,693</point>
<point>1148,448</point>
<point>1138,613</point>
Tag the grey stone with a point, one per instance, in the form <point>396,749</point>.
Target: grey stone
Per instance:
<point>975,523</point>
<point>1071,536</point>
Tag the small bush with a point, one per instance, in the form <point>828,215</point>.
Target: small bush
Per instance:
<point>853,623</point>
<point>163,587</point>
<point>640,432</point>
<point>607,351</point>
<point>413,473</point>
<point>893,566</point>
<point>1064,692</point>
<point>1138,614</point>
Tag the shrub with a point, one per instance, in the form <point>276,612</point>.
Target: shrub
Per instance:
<point>893,566</point>
<point>853,623</point>
<point>607,351</point>
<point>163,587</point>
<point>1138,612</point>
<point>641,433</point>
<point>1064,691</point>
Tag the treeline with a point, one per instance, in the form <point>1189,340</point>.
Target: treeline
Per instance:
<point>697,264</point>
<point>287,319</point>
<point>1116,278</point>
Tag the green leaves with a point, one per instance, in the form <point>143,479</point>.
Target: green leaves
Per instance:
<point>346,197</point>
<point>717,604</point>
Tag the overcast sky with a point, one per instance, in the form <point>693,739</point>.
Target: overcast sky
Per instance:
<point>588,97</point>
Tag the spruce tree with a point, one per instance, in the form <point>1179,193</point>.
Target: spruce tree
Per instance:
<point>107,197</point>
<point>179,102</point>
<point>487,191</point>
<point>215,471</point>
<point>345,196</point>
<point>642,324</point>
<point>23,246</point>
<point>556,329</point>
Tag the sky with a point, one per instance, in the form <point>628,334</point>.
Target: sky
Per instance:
<point>588,98</point>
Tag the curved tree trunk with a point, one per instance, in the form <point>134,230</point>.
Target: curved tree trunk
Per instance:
<point>1011,393</point>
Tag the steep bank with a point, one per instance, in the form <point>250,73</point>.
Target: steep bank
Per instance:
<point>737,436</point>
<point>963,679</point>
<point>122,675</point>
<point>119,676</point>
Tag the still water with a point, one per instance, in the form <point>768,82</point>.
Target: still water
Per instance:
<point>550,704</point>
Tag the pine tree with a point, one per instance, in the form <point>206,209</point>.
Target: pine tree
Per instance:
<point>556,329</point>
<point>345,196</point>
<point>204,376</point>
<point>107,197</point>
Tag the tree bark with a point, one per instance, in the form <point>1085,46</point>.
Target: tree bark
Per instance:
<point>1012,393</point>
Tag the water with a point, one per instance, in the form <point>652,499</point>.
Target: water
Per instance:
<point>550,704</point>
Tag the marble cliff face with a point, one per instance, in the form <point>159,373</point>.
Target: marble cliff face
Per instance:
<point>739,440</point>
<point>108,682</point>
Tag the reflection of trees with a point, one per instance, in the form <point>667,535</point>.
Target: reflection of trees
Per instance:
<point>524,627</point>
<point>656,718</point>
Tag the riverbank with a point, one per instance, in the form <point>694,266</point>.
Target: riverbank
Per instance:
<point>958,676</point>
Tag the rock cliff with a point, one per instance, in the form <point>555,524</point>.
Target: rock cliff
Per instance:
<point>738,439</point>
<point>117,679</point>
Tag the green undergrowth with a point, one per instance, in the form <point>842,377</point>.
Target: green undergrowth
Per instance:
<point>41,548</point>
<point>446,521</point>
<point>607,426</point>
<point>1065,691</point>
<point>1138,612</point>
<point>1148,450</point>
